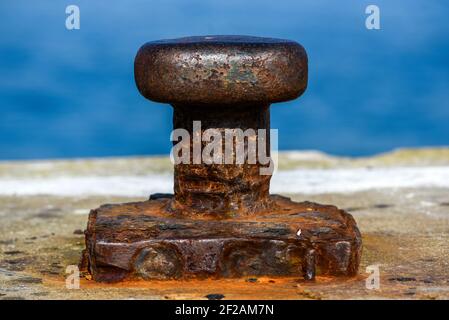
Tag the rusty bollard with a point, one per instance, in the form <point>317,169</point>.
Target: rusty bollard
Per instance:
<point>221,220</point>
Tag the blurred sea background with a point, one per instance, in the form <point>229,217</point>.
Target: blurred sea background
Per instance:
<point>66,94</point>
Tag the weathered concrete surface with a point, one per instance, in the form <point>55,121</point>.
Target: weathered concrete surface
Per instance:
<point>405,230</point>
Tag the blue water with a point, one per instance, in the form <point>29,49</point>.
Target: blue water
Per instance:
<point>72,93</point>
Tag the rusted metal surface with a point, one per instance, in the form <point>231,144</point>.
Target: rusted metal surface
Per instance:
<point>217,70</point>
<point>221,220</point>
<point>141,240</point>
<point>215,189</point>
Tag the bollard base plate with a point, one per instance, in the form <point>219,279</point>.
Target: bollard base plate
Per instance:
<point>144,240</point>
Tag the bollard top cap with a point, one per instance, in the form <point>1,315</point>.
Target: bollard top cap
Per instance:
<point>221,70</point>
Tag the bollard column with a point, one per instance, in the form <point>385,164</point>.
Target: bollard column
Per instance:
<point>223,189</point>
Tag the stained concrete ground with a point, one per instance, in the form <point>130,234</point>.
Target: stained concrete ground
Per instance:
<point>405,232</point>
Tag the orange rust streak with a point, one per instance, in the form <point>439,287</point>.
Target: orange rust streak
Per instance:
<point>265,288</point>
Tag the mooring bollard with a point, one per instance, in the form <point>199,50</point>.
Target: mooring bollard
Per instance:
<point>224,82</point>
<point>221,220</point>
